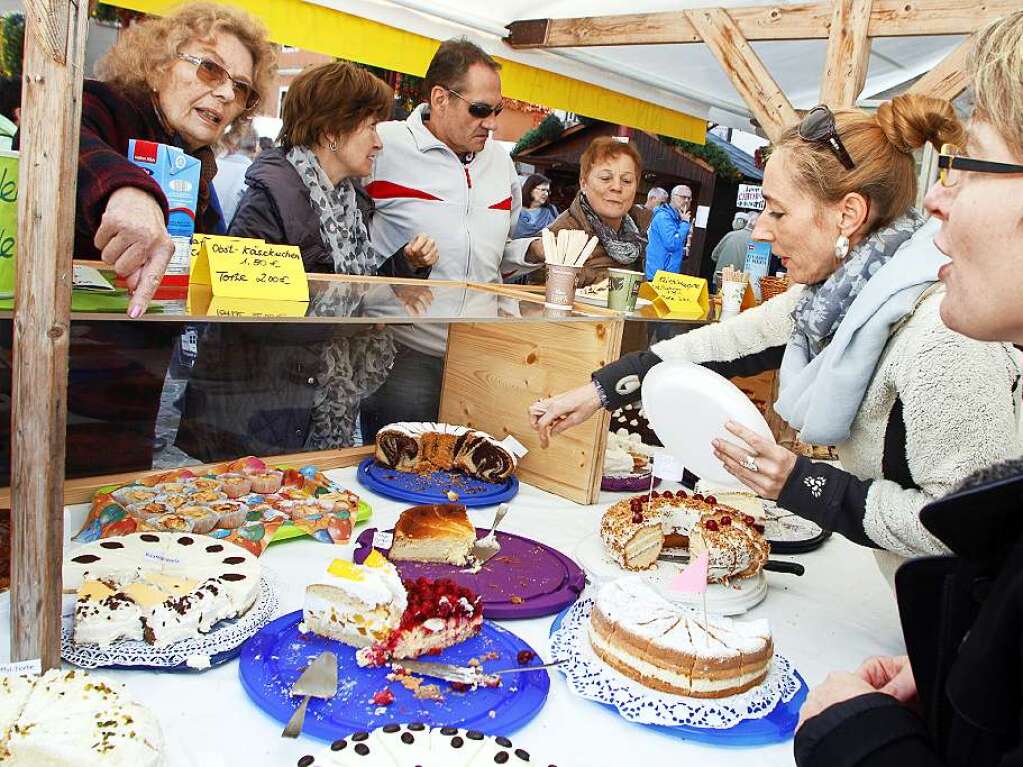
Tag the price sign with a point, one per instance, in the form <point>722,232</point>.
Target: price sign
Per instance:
<point>239,268</point>
<point>677,295</point>
<point>224,306</point>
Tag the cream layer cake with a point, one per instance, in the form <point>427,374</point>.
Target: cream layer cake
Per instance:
<point>672,649</point>
<point>438,532</point>
<point>73,718</point>
<point>634,530</point>
<point>356,604</point>
<point>419,447</point>
<point>161,587</point>
<point>735,547</point>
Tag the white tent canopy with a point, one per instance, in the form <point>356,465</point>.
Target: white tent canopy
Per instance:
<point>683,77</point>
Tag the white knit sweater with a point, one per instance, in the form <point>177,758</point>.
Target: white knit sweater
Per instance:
<point>959,406</point>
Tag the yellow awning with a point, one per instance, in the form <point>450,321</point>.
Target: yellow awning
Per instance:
<point>323,30</point>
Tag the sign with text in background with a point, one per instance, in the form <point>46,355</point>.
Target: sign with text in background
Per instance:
<point>677,295</point>
<point>241,268</point>
<point>758,262</point>
<point>8,221</point>
<point>750,197</point>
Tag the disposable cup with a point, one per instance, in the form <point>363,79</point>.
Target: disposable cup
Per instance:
<point>623,288</point>
<point>731,298</point>
<point>560,285</point>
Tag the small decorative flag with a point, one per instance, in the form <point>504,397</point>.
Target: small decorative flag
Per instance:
<point>693,580</point>
<point>667,467</point>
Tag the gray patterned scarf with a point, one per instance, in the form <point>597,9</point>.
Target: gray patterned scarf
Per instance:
<point>341,226</point>
<point>822,307</point>
<point>624,246</point>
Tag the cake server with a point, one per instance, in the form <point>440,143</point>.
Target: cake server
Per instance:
<point>487,546</point>
<point>464,674</point>
<point>771,565</point>
<point>319,680</point>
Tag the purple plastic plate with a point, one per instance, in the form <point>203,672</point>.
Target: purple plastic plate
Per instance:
<point>627,483</point>
<point>525,579</point>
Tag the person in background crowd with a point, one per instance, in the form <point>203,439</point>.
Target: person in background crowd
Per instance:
<point>669,233</point>
<point>10,111</point>
<point>864,360</point>
<point>265,142</point>
<point>439,174</point>
<point>604,207</point>
<point>285,390</point>
<point>230,179</point>
<point>537,213</point>
<point>731,250</point>
<point>957,697</point>
<point>656,197</point>
<point>739,220</point>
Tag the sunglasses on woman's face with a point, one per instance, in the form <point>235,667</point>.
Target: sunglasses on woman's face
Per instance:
<point>951,161</point>
<point>819,127</point>
<point>211,74</point>
<point>481,110</point>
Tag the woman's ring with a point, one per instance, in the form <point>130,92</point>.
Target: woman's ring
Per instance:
<point>750,464</point>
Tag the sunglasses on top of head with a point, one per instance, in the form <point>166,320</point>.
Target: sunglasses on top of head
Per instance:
<point>481,110</point>
<point>212,74</point>
<point>818,127</point>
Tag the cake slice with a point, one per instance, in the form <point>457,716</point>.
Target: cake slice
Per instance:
<point>433,533</point>
<point>480,455</point>
<point>735,547</point>
<point>104,615</point>
<point>632,535</point>
<point>14,692</point>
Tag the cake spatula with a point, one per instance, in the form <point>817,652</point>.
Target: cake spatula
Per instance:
<point>319,680</point>
<point>487,546</point>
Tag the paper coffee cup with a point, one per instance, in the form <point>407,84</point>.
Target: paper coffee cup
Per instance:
<point>623,288</point>
<point>731,298</point>
<point>560,285</point>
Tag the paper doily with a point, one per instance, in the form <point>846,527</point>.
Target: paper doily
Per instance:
<point>590,677</point>
<point>196,652</point>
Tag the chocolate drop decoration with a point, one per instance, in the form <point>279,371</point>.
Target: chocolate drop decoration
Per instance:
<point>85,559</point>
<point>216,548</point>
<point>112,545</point>
<point>149,538</point>
<point>234,560</point>
<point>185,540</point>
<point>240,577</point>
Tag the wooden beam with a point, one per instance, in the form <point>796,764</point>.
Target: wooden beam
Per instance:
<point>845,66</point>
<point>55,33</point>
<point>949,78</point>
<point>805,21</point>
<point>745,69</point>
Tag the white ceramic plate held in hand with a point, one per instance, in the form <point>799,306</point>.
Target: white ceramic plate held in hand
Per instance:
<point>688,405</point>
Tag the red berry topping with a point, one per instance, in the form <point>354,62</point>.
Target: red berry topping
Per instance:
<point>637,518</point>
<point>524,657</point>
<point>711,499</point>
<point>759,528</point>
<point>697,497</point>
<point>711,525</point>
<point>748,519</point>
<point>681,494</point>
<point>667,494</point>
<point>655,494</point>
<point>460,687</point>
<point>726,520</point>
<point>383,697</point>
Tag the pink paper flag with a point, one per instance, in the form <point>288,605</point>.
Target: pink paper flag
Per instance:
<point>693,579</point>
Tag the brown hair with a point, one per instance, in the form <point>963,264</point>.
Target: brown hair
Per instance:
<point>881,146</point>
<point>332,98</point>
<point>145,51</point>
<point>606,148</point>
<point>451,63</point>
<point>996,70</point>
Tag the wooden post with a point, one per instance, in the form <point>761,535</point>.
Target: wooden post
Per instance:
<point>745,69</point>
<point>55,36</point>
<point>948,79</point>
<point>845,69</point>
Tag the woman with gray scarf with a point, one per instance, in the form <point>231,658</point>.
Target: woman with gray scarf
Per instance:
<point>865,361</point>
<point>278,389</point>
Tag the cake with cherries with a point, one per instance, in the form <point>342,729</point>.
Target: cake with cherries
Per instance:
<point>72,717</point>
<point>438,532</point>
<point>635,530</point>
<point>160,587</point>
<point>402,745</point>
<point>735,547</point>
<point>673,649</point>
<point>424,448</point>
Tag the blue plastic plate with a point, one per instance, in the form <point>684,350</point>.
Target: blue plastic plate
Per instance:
<point>405,486</point>
<point>776,727</point>
<point>273,659</point>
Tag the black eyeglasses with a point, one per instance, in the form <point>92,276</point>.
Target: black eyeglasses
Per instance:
<point>212,74</point>
<point>481,110</point>
<point>950,162</point>
<point>819,127</point>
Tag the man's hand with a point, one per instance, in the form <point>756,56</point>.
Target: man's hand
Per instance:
<point>415,298</point>
<point>421,252</point>
<point>839,687</point>
<point>133,238</point>
<point>891,675</point>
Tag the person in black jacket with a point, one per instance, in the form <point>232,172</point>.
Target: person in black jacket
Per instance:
<point>957,697</point>
<point>263,390</point>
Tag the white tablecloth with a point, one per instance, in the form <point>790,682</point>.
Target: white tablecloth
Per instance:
<point>840,612</point>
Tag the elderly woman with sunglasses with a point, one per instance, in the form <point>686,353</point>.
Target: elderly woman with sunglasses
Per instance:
<point>183,80</point>
<point>957,697</point>
<point>865,362</point>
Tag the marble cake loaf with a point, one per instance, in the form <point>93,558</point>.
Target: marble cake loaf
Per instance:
<point>423,448</point>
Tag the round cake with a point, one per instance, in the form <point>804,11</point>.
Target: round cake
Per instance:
<point>428,447</point>
<point>634,530</point>
<point>736,547</point>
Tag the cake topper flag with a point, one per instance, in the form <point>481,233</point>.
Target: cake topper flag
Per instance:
<point>667,467</point>
<point>693,580</point>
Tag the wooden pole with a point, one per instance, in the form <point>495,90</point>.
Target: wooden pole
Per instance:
<point>845,68</point>
<point>948,79</point>
<point>55,33</point>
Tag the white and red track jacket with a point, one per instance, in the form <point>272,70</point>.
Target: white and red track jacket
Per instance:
<point>419,185</point>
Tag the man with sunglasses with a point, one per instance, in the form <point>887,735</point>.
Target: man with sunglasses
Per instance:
<point>438,174</point>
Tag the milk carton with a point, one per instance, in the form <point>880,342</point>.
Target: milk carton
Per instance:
<point>177,173</point>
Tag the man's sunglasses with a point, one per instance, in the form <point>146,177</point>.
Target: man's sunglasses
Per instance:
<point>481,110</point>
<point>819,127</point>
<point>950,162</point>
<point>212,74</point>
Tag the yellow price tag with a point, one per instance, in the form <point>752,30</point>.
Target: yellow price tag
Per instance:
<point>677,295</point>
<point>241,268</point>
<point>225,306</point>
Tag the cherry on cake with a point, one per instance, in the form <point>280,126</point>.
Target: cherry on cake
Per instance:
<point>424,448</point>
<point>673,649</point>
<point>434,533</point>
<point>735,546</point>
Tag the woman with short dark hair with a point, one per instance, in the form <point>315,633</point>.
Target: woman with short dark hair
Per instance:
<point>537,210</point>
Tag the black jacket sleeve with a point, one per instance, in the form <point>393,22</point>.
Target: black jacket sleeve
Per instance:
<point>621,380</point>
<point>872,730</point>
<point>257,216</point>
<point>398,266</point>
<point>834,499</point>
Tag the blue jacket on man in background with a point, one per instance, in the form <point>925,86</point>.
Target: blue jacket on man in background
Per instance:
<point>667,241</point>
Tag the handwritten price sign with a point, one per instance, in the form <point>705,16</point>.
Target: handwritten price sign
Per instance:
<point>677,295</point>
<point>240,268</point>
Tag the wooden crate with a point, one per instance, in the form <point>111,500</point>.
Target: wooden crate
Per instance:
<point>493,372</point>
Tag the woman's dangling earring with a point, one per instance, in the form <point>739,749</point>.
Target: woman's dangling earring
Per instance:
<point>332,146</point>
<point>841,247</point>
